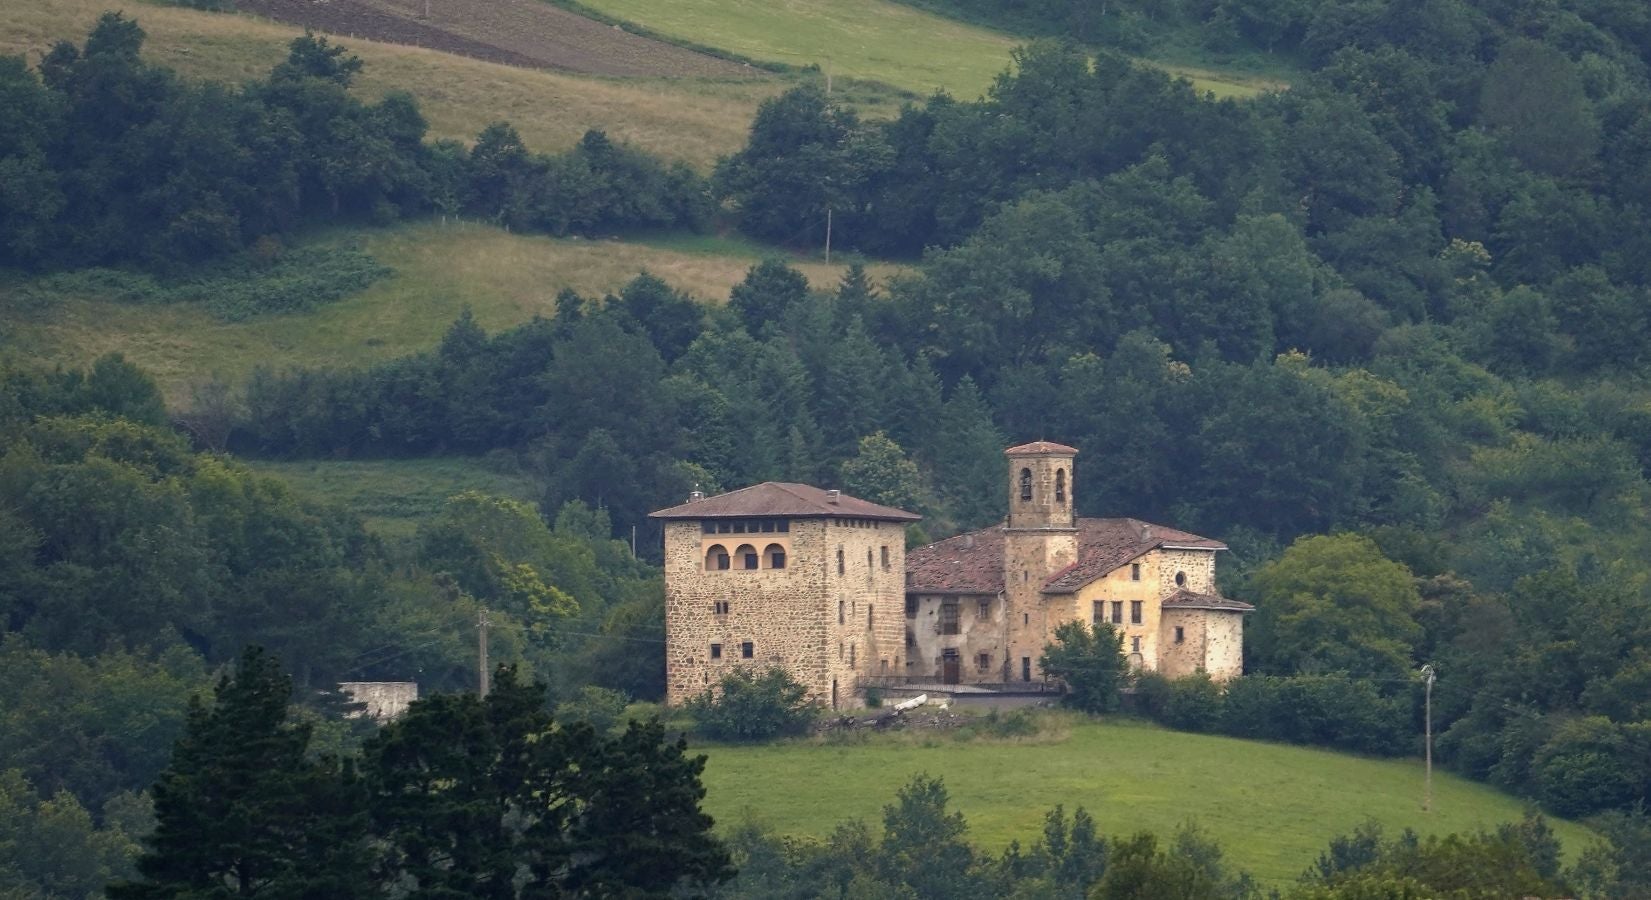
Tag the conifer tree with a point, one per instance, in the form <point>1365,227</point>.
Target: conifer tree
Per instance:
<point>241,811</point>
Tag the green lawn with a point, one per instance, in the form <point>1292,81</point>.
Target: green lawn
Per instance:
<point>1273,807</point>
<point>395,496</point>
<point>875,40</point>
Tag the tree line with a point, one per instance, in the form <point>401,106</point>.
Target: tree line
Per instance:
<point>106,159</point>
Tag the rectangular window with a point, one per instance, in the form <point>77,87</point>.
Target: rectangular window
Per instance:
<point>840,566</point>
<point>716,651</point>
<point>783,526</point>
<point>1026,668</point>
<point>983,661</point>
<point>885,559</point>
<point>722,607</point>
<point>750,560</point>
<point>1135,644</point>
<point>911,606</point>
<point>1180,634</point>
<point>1117,612</point>
<point>1097,615</point>
<point>870,620</point>
<point>1134,612</point>
<point>746,650</point>
<point>949,618</point>
<point>767,526</point>
<point>739,527</point>
<point>724,527</point>
<point>839,612</point>
<point>851,656</point>
<point>708,527</point>
<point>984,610</point>
<point>1134,571</point>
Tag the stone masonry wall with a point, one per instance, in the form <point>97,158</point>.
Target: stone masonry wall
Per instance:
<point>1029,558</point>
<point>977,634</point>
<point>791,615</point>
<point>1224,644</point>
<point>1179,660</point>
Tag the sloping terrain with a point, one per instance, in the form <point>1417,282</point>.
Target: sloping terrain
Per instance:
<point>876,40</point>
<point>689,119</point>
<point>1273,807</point>
<point>439,270</point>
<point>514,32</point>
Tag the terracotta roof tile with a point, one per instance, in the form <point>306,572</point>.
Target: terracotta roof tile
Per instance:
<point>1039,447</point>
<point>1185,599</point>
<point>1106,544</point>
<point>973,563</point>
<point>964,564</point>
<point>778,498</point>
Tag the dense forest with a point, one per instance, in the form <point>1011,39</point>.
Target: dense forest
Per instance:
<point>1384,333</point>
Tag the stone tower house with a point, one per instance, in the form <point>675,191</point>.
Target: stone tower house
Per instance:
<point>784,575</point>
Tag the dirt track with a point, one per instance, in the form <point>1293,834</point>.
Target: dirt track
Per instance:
<point>528,33</point>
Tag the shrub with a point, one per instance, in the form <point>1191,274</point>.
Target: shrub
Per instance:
<point>1194,703</point>
<point>599,706</point>
<point>748,706</point>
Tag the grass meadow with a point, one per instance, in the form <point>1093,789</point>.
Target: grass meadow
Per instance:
<point>1273,807</point>
<point>393,496</point>
<point>439,269</point>
<point>872,40</point>
<point>691,120</point>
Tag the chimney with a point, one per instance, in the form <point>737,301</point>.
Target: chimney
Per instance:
<point>695,496</point>
<point>833,495</point>
<point>1146,532</point>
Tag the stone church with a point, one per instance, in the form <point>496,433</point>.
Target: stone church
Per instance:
<point>820,583</point>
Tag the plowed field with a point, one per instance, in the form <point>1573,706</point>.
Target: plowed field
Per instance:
<point>528,33</point>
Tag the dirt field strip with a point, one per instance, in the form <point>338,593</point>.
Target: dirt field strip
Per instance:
<point>528,33</point>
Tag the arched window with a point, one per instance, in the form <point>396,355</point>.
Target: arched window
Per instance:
<point>1025,484</point>
<point>716,557</point>
<point>1060,485</point>
<point>747,556</point>
<point>773,557</point>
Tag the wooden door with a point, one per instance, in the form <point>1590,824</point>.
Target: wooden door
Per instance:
<point>951,668</point>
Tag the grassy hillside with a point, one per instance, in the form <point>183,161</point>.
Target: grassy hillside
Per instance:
<point>875,40</point>
<point>683,119</point>
<point>395,496</point>
<point>504,278</point>
<point>1272,807</point>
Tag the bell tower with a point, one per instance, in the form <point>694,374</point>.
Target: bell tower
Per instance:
<point>1040,486</point>
<point>1040,538</point>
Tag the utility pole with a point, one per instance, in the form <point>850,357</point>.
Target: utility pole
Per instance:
<point>481,648</point>
<point>1427,799</point>
<point>828,208</point>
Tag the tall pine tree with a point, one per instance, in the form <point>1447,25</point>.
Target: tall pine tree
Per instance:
<point>242,811</point>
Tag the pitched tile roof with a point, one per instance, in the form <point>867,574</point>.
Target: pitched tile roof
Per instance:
<point>1185,599</point>
<point>972,563</point>
<point>1038,447</point>
<point>778,498</point>
<point>962,564</point>
<point>1106,544</point>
